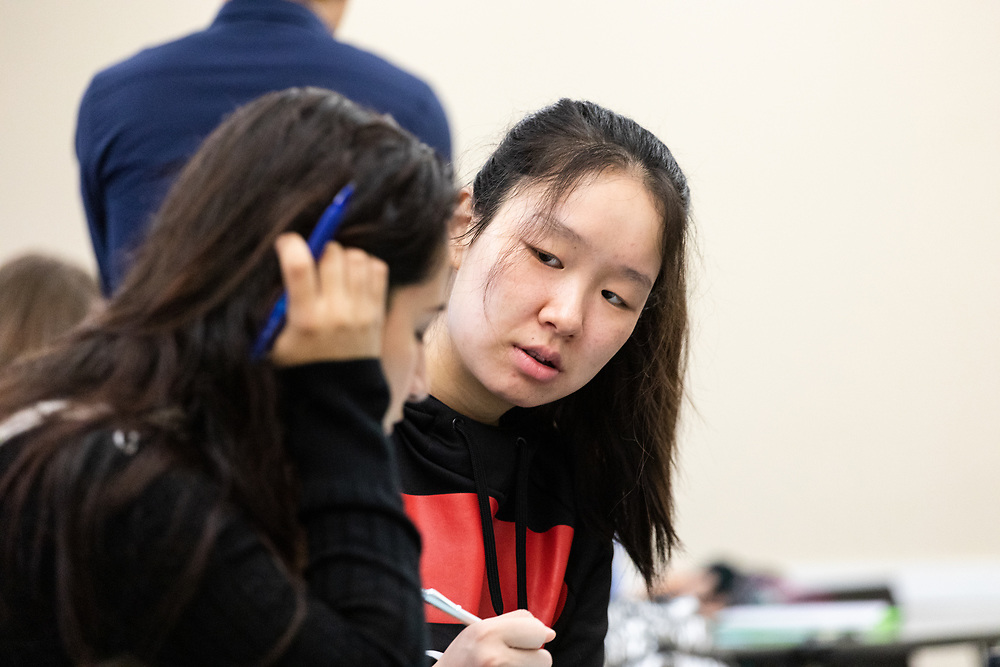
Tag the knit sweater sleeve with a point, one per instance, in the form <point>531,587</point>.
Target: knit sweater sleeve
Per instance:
<point>363,550</point>
<point>360,601</point>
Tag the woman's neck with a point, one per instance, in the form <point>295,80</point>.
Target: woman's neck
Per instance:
<point>451,382</point>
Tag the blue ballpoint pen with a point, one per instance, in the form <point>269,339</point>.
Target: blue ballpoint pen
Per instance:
<point>321,235</point>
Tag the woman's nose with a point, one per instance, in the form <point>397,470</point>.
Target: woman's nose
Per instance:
<point>418,386</point>
<point>564,311</point>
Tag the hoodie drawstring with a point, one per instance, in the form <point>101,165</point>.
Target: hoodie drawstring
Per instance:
<point>485,518</point>
<point>524,455</point>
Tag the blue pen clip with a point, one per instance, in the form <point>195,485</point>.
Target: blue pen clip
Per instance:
<point>322,234</point>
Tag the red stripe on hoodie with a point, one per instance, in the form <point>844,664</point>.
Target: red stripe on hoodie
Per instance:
<point>455,565</point>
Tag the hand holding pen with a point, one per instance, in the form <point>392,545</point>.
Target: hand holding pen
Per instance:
<point>321,235</point>
<point>514,638</point>
<point>333,307</point>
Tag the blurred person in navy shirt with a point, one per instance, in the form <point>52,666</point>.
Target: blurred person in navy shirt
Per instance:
<point>141,119</point>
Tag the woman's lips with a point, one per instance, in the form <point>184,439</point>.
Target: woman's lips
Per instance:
<point>537,363</point>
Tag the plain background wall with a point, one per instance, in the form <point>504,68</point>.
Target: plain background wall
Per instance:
<point>844,157</point>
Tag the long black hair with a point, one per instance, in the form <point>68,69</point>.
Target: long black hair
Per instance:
<point>170,358</point>
<point>624,421</point>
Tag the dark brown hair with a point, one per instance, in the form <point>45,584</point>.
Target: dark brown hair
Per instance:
<point>41,298</point>
<point>170,355</point>
<point>623,423</point>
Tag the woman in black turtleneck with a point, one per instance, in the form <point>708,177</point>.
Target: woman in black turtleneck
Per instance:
<point>166,498</point>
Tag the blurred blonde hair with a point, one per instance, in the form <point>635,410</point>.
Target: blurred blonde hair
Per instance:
<point>41,297</point>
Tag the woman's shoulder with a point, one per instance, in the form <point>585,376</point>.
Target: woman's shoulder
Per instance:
<point>103,462</point>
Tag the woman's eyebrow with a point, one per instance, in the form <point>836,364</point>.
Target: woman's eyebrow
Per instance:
<point>540,223</point>
<point>559,228</point>
<point>637,277</point>
<point>555,226</point>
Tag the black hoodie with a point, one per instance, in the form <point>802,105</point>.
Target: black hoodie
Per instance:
<point>497,513</point>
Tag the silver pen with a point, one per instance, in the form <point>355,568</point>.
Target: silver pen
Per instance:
<point>435,599</point>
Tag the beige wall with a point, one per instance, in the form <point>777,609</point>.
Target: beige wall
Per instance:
<point>845,162</point>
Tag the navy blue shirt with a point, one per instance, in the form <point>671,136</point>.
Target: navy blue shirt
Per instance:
<point>141,119</point>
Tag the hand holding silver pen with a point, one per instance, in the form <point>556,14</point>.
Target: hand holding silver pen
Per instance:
<point>514,638</point>
<point>435,599</point>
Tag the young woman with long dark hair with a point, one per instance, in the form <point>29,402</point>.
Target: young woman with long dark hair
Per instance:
<point>166,498</point>
<point>555,387</point>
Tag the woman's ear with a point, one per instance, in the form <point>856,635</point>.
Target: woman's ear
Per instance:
<point>461,222</point>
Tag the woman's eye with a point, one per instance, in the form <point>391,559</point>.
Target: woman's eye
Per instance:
<point>547,259</point>
<point>613,298</point>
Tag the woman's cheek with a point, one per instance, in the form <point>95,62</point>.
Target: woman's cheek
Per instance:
<point>620,336</point>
